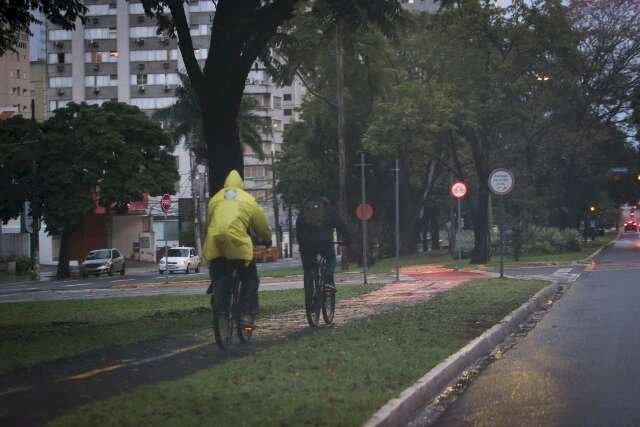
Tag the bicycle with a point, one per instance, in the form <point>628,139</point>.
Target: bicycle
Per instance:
<point>226,313</point>
<point>317,296</point>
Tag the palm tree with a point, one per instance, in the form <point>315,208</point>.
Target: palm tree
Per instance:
<point>184,120</point>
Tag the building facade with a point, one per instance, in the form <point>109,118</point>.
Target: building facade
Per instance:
<point>428,6</point>
<point>15,79</point>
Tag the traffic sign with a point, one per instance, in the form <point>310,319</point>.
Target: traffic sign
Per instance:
<point>501,182</point>
<point>364,211</point>
<point>165,202</point>
<point>459,190</point>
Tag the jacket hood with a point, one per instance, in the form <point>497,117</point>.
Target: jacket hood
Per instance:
<point>234,180</point>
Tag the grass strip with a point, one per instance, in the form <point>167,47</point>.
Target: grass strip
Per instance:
<point>32,332</point>
<point>337,377</point>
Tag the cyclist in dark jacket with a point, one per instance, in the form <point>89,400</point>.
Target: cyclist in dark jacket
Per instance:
<point>314,232</point>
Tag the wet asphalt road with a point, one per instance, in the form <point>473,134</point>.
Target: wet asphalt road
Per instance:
<point>579,367</point>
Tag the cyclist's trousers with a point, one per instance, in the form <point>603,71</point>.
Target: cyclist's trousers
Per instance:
<point>221,269</point>
<point>308,252</point>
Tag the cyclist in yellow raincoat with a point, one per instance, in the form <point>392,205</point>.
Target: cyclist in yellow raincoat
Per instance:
<point>232,212</point>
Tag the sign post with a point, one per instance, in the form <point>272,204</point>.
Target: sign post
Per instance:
<point>397,173</point>
<point>459,191</point>
<point>165,205</point>
<point>501,182</point>
<point>362,166</point>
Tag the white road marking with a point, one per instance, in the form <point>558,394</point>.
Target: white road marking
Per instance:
<point>77,284</point>
<point>121,280</point>
<point>15,390</point>
<point>563,271</point>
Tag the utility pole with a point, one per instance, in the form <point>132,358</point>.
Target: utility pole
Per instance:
<point>35,209</point>
<point>397,185</point>
<point>290,233</point>
<point>342,151</point>
<point>276,213</point>
<point>195,194</point>
<point>363,221</point>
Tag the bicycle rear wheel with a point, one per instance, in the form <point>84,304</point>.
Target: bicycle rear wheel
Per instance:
<point>244,333</point>
<point>328,296</point>
<point>222,319</point>
<point>312,298</point>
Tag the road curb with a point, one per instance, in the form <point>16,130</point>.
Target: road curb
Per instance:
<point>597,252</point>
<point>399,411</point>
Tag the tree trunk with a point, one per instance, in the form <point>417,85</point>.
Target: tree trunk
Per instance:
<point>224,152</point>
<point>481,224</point>
<point>342,150</point>
<point>64,256</point>
<point>434,227</point>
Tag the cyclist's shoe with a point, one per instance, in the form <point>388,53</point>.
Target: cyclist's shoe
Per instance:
<point>211,289</point>
<point>330,287</point>
<point>247,322</point>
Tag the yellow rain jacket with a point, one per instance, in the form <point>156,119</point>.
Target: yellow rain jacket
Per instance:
<point>232,211</point>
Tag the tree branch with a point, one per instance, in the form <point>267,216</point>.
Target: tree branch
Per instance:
<point>186,45</point>
<point>313,92</point>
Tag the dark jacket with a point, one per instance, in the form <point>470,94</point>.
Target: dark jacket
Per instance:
<point>313,234</point>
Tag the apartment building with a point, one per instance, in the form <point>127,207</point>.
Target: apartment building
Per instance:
<point>15,79</point>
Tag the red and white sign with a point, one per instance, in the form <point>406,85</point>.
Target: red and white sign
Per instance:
<point>165,202</point>
<point>459,190</point>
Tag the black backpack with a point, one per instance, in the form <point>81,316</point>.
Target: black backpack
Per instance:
<point>314,212</point>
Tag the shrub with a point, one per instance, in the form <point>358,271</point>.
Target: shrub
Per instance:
<point>23,264</point>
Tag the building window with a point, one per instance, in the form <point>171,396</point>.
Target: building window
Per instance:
<point>61,58</point>
<point>17,74</point>
<point>113,77</point>
<point>276,125</point>
<point>277,102</point>
<point>55,35</point>
<point>99,33</point>
<point>287,112</point>
<point>154,55</point>
<point>54,105</point>
<point>153,103</point>
<point>141,79</point>
<point>113,53</point>
<point>142,32</point>
<point>136,8</point>
<point>60,82</point>
<point>98,81</point>
<point>286,97</point>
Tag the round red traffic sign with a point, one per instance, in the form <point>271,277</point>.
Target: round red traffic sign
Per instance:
<point>364,211</point>
<point>165,202</point>
<point>459,189</point>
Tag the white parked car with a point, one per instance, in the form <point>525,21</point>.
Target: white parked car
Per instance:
<point>182,258</point>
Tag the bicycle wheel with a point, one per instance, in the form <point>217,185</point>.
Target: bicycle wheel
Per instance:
<point>244,334</point>
<point>222,318</point>
<point>328,298</point>
<point>312,297</point>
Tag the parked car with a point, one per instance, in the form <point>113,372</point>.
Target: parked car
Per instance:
<point>182,258</point>
<point>630,225</point>
<point>101,261</point>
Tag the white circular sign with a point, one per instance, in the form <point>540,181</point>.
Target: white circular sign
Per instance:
<point>501,182</point>
<point>459,190</point>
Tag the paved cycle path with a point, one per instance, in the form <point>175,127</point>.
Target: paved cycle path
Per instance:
<point>42,392</point>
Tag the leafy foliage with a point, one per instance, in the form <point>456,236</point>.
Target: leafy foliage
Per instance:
<point>16,15</point>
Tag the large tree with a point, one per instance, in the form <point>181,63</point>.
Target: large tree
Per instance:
<point>240,33</point>
<point>16,15</point>
<point>114,152</point>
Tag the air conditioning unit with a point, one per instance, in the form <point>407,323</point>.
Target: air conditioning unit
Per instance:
<point>93,43</point>
<point>60,91</point>
<point>58,45</point>
<point>140,42</point>
<point>96,67</point>
<point>167,88</point>
<point>164,40</point>
<point>165,65</point>
<point>140,18</point>
<point>141,88</point>
<point>140,66</point>
<point>95,21</point>
<point>96,89</point>
<point>60,67</point>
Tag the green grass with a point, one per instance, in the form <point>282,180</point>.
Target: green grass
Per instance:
<point>32,332</point>
<point>338,377</point>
